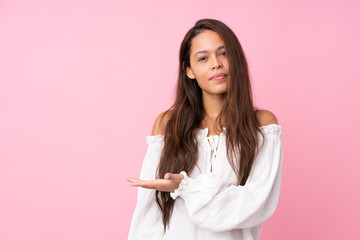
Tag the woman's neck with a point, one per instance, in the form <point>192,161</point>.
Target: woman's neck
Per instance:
<point>212,104</point>
<point>212,107</point>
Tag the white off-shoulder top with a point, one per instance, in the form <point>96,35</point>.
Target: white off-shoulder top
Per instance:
<point>208,202</point>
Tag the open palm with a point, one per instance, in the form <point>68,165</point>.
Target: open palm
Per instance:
<point>168,184</point>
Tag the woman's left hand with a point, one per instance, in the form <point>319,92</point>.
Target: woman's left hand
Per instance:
<point>170,182</point>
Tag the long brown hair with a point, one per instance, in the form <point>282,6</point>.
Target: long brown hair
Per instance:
<point>238,115</point>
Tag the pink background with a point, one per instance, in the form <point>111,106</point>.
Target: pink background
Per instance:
<point>82,83</point>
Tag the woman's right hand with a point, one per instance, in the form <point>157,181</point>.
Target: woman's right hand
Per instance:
<point>168,184</point>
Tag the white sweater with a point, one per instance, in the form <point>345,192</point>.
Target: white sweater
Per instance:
<point>208,203</point>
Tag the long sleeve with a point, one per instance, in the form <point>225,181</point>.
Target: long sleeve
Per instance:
<point>219,209</point>
<point>147,220</point>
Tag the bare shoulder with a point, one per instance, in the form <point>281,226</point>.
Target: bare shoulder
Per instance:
<point>265,117</point>
<point>160,123</point>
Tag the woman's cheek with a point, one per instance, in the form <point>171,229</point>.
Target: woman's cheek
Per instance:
<point>202,84</point>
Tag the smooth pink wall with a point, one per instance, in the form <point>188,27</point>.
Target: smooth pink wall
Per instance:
<point>81,83</point>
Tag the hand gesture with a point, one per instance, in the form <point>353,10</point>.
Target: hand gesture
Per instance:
<point>170,182</point>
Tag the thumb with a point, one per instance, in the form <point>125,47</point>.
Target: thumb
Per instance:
<point>168,176</point>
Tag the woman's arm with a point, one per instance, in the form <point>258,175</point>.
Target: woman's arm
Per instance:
<point>147,218</point>
<point>235,207</point>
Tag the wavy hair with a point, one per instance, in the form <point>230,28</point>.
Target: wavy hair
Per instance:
<point>237,115</point>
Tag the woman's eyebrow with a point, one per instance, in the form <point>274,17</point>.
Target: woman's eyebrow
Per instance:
<point>204,51</point>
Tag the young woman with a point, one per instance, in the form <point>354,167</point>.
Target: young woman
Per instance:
<point>212,169</point>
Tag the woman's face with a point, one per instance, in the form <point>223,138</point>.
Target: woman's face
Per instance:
<point>208,58</point>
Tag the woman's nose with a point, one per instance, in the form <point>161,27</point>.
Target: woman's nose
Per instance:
<point>217,63</point>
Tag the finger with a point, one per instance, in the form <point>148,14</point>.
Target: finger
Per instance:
<point>167,176</point>
<point>137,182</point>
<point>130,179</point>
<point>144,184</point>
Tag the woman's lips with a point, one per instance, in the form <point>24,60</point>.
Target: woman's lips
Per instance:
<point>218,78</point>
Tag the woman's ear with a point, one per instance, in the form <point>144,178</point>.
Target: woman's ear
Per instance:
<point>189,73</point>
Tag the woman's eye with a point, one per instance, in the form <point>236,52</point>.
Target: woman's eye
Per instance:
<point>223,53</point>
<point>201,59</point>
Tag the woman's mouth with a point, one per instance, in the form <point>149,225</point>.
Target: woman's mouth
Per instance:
<point>218,77</point>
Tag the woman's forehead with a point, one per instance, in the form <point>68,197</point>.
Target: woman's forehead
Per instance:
<point>206,41</point>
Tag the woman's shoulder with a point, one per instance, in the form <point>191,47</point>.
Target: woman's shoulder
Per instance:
<point>269,123</point>
<point>263,116</point>
<point>266,117</point>
<point>160,122</point>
